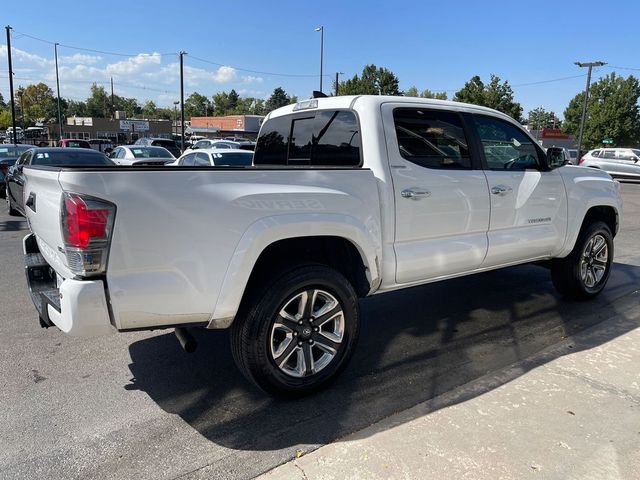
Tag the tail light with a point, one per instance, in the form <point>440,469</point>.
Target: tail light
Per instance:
<point>87,225</point>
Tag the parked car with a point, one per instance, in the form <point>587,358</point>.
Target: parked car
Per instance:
<point>617,162</point>
<point>18,136</point>
<point>213,143</point>
<point>559,156</point>
<point>347,197</point>
<point>573,153</point>
<point>167,143</point>
<point>140,155</point>
<point>103,145</point>
<point>8,156</point>
<point>215,157</point>
<point>49,157</point>
<point>73,143</point>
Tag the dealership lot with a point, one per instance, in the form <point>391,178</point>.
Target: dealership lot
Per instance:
<point>134,405</point>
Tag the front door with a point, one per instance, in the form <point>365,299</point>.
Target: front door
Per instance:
<point>440,190</point>
<point>528,202</point>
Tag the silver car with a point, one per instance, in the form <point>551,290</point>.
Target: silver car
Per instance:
<point>141,155</point>
<point>617,162</point>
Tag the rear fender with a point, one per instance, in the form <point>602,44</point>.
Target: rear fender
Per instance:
<point>266,231</point>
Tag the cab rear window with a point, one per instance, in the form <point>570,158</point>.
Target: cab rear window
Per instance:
<point>325,138</point>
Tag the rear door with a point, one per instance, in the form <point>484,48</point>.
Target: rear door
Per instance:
<point>440,190</point>
<point>528,202</point>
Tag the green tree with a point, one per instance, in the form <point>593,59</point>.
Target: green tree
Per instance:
<point>278,98</point>
<point>149,110</point>
<point>197,105</point>
<point>497,95</point>
<point>373,81</point>
<point>413,92</point>
<point>539,118</point>
<point>5,119</point>
<point>2,102</point>
<point>612,112</point>
<point>75,108</point>
<point>232,101</point>
<point>98,103</point>
<point>36,103</point>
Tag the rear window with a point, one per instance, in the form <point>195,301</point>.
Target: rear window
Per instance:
<point>165,143</point>
<point>151,152</point>
<point>232,159</point>
<point>11,151</point>
<point>77,144</point>
<point>60,158</point>
<point>323,138</point>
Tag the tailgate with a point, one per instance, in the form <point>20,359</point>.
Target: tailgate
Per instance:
<point>42,196</point>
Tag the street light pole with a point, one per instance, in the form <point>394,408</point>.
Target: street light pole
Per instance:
<point>338,81</point>
<point>321,30</point>
<point>55,46</point>
<point>13,101</point>
<point>182,54</point>
<point>175,117</point>
<point>586,98</point>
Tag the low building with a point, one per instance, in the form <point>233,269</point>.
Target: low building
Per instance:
<point>246,126</point>
<point>120,131</point>
<point>553,137</point>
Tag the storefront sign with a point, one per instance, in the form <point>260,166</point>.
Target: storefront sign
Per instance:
<point>134,125</point>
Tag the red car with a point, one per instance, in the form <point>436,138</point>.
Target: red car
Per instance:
<point>74,143</point>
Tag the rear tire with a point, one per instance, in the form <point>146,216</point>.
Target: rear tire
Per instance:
<point>298,333</point>
<point>584,272</point>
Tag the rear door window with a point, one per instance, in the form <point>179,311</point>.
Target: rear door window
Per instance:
<point>316,138</point>
<point>432,138</point>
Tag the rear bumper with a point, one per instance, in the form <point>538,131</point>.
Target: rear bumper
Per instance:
<point>77,307</point>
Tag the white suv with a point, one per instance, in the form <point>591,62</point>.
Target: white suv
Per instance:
<point>617,162</point>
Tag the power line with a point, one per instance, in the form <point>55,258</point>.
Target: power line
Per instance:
<point>103,52</point>
<point>623,68</point>
<point>256,71</point>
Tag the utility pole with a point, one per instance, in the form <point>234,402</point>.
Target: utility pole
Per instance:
<point>338,81</point>
<point>175,118</point>
<point>13,101</point>
<point>586,98</point>
<point>55,47</point>
<point>182,54</point>
<point>321,30</point>
<point>113,105</point>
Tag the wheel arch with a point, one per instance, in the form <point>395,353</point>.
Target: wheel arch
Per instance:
<point>274,244</point>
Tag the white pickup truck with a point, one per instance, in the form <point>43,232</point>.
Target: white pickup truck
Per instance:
<point>347,197</point>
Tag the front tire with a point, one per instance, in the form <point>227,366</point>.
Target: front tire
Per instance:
<point>299,333</point>
<point>584,272</point>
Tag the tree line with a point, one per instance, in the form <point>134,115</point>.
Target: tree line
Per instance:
<point>37,103</point>
<point>613,111</point>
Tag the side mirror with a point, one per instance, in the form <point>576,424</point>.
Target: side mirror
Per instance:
<point>635,159</point>
<point>555,157</point>
<point>193,147</point>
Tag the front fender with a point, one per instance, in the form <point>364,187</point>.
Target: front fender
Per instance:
<point>587,188</point>
<point>264,232</point>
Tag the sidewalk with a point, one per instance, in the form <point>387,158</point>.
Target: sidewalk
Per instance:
<point>574,414</point>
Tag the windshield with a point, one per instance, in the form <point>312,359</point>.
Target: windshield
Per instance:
<point>151,152</point>
<point>11,151</point>
<point>636,153</point>
<point>77,144</point>
<point>232,159</point>
<point>59,158</point>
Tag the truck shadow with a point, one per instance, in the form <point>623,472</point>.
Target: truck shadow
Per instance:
<point>415,345</point>
<point>13,225</point>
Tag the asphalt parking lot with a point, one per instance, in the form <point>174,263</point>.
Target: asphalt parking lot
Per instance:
<point>135,406</point>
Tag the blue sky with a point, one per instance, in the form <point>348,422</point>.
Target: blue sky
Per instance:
<point>435,45</point>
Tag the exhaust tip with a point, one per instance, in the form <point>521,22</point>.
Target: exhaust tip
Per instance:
<point>187,341</point>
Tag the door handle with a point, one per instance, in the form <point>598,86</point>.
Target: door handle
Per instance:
<point>501,190</point>
<point>415,194</point>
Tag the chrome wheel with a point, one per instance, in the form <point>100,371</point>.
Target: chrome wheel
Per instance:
<point>594,262</point>
<point>307,333</point>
